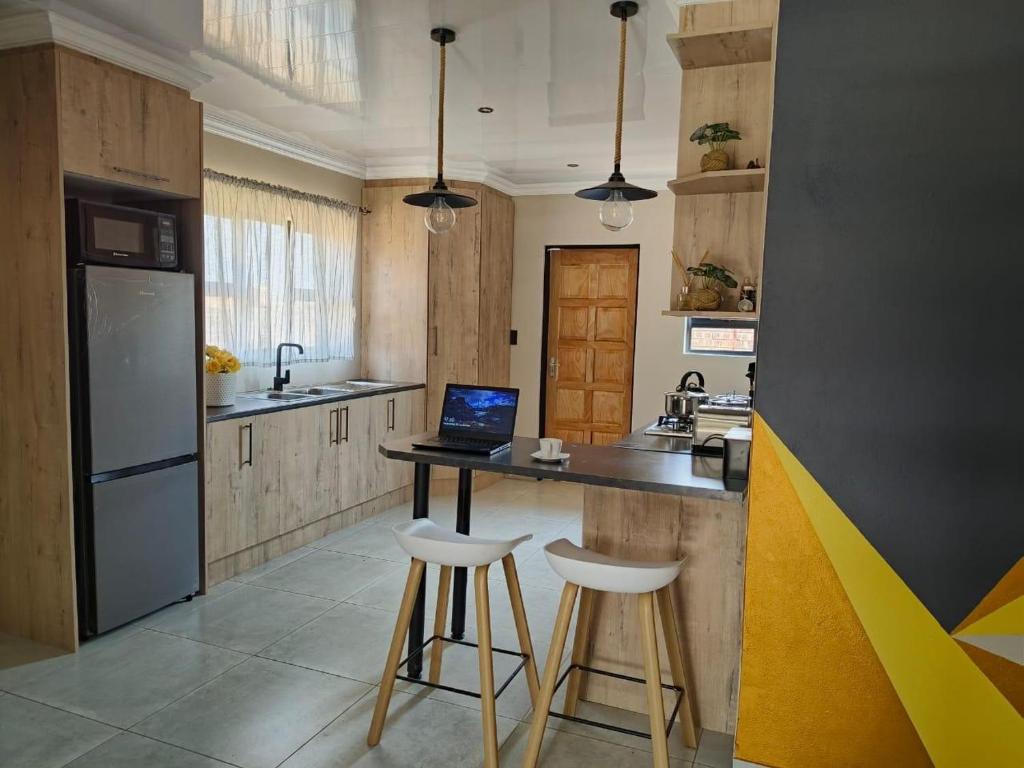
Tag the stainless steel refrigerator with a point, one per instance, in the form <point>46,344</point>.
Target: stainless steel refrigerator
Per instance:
<point>134,411</point>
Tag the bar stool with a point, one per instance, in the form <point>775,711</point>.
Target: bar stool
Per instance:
<point>426,542</point>
<point>593,572</point>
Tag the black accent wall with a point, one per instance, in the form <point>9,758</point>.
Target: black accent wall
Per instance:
<point>891,350</point>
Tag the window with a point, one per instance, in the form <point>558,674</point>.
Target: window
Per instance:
<point>710,336</point>
<point>279,267</point>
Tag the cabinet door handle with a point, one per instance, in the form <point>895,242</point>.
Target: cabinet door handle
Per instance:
<point>246,428</point>
<point>332,427</point>
<point>139,174</point>
<point>391,415</point>
<point>433,341</point>
<point>345,435</point>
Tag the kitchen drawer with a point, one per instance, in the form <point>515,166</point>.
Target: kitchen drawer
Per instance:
<point>125,127</point>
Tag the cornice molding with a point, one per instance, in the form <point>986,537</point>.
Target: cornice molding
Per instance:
<point>240,127</point>
<point>42,26</point>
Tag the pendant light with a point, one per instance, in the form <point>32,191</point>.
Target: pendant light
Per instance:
<point>438,200</point>
<point>616,194</point>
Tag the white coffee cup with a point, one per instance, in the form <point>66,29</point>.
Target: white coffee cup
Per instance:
<point>550,447</point>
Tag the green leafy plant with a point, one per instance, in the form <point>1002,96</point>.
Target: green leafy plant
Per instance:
<point>715,135</point>
<point>711,274</point>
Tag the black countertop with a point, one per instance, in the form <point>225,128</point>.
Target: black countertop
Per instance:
<point>679,474</point>
<point>252,406</point>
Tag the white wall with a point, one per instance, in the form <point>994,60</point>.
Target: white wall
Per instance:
<point>240,159</point>
<point>544,220</point>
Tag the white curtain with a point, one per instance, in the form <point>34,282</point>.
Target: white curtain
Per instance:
<point>279,267</point>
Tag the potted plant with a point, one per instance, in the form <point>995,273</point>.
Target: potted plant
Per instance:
<point>715,135</point>
<point>709,296</point>
<point>222,368</point>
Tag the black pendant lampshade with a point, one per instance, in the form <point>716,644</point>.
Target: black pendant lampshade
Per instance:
<point>617,194</point>
<point>439,201</point>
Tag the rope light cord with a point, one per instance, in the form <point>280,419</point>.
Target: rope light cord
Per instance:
<point>440,114</point>
<point>622,88</point>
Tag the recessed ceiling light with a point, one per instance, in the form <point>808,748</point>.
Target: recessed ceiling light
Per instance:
<point>572,165</point>
<point>485,110</point>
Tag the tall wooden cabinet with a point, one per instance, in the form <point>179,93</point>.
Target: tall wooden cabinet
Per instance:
<point>69,122</point>
<point>436,308</point>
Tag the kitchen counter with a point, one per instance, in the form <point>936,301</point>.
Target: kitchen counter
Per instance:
<point>676,474</point>
<point>249,406</point>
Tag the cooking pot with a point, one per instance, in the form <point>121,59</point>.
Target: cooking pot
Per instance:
<point>683,402</point>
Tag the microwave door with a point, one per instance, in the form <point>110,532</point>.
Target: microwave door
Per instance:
<point>141,360</point>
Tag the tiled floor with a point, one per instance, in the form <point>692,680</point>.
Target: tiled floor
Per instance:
<point>279,666</point>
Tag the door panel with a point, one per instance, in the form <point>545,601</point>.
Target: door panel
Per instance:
<point>145,542</point>
<point>232,482</point>
<point>356,476</point>
<point>590,342</point>
<point>141,361</point>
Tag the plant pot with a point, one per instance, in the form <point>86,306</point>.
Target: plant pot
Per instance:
<point>705,299</point>
<point>220,389</point>
<point>715,160</point>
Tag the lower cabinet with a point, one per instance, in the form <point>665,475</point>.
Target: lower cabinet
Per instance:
<point>271,474</point>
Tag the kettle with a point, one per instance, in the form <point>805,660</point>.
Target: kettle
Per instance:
<point>683,402</point>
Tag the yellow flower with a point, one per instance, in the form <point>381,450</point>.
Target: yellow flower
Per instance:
<point>212,366</point>
<point>233,365</point>
<point>212,351</point>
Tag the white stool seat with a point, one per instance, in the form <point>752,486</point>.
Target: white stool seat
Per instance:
<point>609,574</point>
<point>425,540</point>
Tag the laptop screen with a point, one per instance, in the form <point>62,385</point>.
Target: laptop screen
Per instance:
<point>486,412</point>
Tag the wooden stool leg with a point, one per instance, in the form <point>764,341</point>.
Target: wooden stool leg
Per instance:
<point>387,683</point>
<point>515,596</point>
<point>483,639</point>
<point>580,646</point>
<point>547,687</point>
<point>652,672</point>
<point>444,588</point>
<point>675,660</point>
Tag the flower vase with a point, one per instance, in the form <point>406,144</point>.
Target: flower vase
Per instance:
<point>220,389</point>
<point>715,160</point>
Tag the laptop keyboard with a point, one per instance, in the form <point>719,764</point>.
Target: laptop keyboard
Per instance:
<point>470,442</point>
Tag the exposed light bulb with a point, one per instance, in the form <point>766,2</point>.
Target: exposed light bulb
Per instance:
<point>440,217</point>
<point>616,212</point>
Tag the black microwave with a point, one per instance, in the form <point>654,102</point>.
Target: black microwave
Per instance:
<point>99,233</point>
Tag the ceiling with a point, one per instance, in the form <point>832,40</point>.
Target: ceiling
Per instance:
<point>355,80</point>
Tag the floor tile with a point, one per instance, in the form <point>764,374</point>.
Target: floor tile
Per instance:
<point>371,541</point>
<point>183,608</point>
<point>257,714</point>
<point>385,593</point>
<point>567,750</point>
<point>349,640</point>
<point>273,565</point>
<point>36,736</point>
<point>130,679</point>
<point>246,620</point>
<point>129,750</point>
<point>715,750</point>
<point>418,732</point>
<point>329,574</point>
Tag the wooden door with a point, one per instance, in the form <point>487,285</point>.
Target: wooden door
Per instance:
<point>232,482</point>
<point>590,340</point>
<point>287,448</point>
<point>356,473</point>
<point>126,127</point>
<point>406,419</point>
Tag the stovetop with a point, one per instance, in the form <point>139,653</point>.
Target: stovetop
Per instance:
<point>671,426</point>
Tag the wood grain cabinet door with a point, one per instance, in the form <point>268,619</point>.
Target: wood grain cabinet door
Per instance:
<point>406,419</point>
<point>288,447</point>
<point>590,340</point>
<point>232,483</point>
<point>356,452</point>
<point>125,127</point>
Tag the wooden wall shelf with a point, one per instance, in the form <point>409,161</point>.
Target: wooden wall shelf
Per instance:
<point>742,44</point>
<point>720,182</point>
<point>706,313</point>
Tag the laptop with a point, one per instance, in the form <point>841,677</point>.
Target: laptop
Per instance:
<point>475,419</point>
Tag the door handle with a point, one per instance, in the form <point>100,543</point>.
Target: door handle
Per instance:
<point>553,367</point>
<point>433,341</point>
<point>333,427</point>
<point>391,415</point>
<point>344,437</point>
<point>244,428</point>
<point>138,174</point>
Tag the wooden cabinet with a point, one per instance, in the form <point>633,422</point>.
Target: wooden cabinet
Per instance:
<point>450,295</point>
<point>275,473</point>
<point>233,485</point>
<point>125,127</point>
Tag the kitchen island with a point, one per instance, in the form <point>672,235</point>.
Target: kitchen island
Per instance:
<point>642,505</point>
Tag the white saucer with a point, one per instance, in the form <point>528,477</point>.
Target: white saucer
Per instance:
<point>550,459</point>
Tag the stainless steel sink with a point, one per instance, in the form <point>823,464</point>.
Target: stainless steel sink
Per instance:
<point>364,384</point>
<point>325,391</point>
<point>273,395</point>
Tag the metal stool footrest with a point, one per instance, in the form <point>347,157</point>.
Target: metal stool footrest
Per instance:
<point>609,726</point>
<point>474,694</point>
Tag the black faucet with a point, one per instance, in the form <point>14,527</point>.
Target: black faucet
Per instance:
<point>279,380</point>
